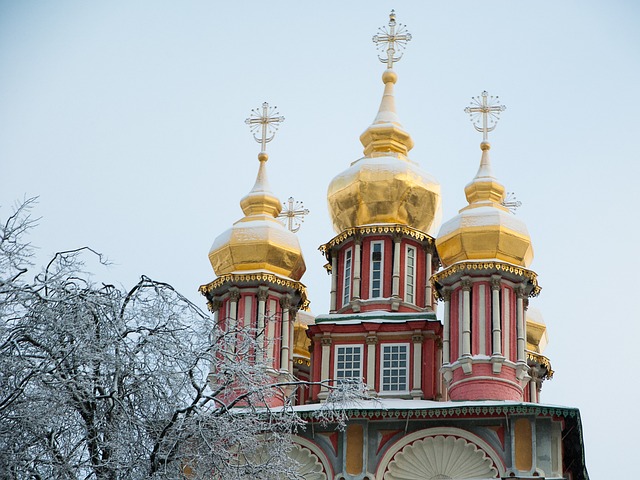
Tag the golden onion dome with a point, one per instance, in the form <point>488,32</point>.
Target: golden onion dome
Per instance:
<point>258,241</point>
<point>484,229</point>
<point>385,186</point>
<point>537,336</point>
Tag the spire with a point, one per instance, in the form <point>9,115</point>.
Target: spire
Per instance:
<point>260,200</point>
<point>485,188</point>
<point>386,134</point>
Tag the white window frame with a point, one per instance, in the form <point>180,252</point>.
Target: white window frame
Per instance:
<point>407,360</point>
<point>346,279</point>
<point>410,286</point>
<point>371,261</point>
<point>336,367</point>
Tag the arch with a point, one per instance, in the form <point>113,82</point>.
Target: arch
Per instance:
<point>314,464</point>
<point>428,454</point>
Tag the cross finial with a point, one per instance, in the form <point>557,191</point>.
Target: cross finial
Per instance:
<point>393,39</point>
<point>293,213</point>
<point>485,113</point>
<point>265,120</point>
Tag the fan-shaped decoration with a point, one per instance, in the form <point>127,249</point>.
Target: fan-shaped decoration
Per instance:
<point>440,458</point>
<point>309,467</point>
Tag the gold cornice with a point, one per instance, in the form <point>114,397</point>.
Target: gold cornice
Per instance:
<point>470,267</point>
<point>375,229</point>
<point>258,277</point>
<point>541,360</point>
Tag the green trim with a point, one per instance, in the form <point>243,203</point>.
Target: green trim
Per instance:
<point>453,411</point>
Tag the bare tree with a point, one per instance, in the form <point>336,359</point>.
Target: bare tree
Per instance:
<point>97,382</point>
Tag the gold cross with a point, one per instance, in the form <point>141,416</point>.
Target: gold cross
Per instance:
<point>485,113</point>
<point>267,121</point>
<point>395,40</point>
<point>294,212</point>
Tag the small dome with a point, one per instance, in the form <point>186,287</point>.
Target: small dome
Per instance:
<point>258,242</point>
<point>537,336</point>
<point>385,186</point>
<point>485,229</point>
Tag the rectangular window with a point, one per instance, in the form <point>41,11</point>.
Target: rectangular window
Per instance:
<point>346,296</point>
<point>395,368</point>
<point>348,362</point>
<point>410,275</point>
<point>376,269</point>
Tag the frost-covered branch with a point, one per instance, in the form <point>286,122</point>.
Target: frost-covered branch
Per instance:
<point>97,382</point>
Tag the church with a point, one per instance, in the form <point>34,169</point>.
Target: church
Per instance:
<point>455,395</point>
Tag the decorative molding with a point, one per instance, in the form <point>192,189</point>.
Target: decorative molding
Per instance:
<point>543,361</point>
<point>258,277</point>
<point>374,229</point>
<point>455,411</point>
<point>234,294</point>
<point>474,267</point>
<point>302,361</point>
<point>440,457</point>
<point>263,293</point>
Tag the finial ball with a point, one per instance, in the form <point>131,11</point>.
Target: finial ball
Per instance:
<point>485,146</point>
<point>263,157</point>
<point>389,76</point>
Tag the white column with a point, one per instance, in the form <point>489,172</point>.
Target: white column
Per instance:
<point>428,294</point>
<point>506,323</point>
<point>357,269</point>
<point>372,342</point>
<point>215,308</point>
<point>292,324</point>
<point>495,314</point>
<point>520,324</point>
<point>416,392</point>
<point>263,293</point>
<point>533,388</point>
<point>286,325</point>
<point>395,289</point>
<point>271,332</point>
<point>466,317</point>
<point>447,327</point>
<point>334,280</point>
<point>234,296</point>
<point>324,370</point>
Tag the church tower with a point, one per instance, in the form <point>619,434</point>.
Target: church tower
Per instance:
<point>385,210</point>
<point>457,399</point>
<point>485,284</point>
<point>258,264</point>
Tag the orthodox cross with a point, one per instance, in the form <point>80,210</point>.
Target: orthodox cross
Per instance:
<point>294,213</point>
<point>485,113</point>
<point>511,202</point>
<point>266,122</point>
<point>393,39</point>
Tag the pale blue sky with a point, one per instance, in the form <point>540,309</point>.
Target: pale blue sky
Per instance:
<point>127,120</point>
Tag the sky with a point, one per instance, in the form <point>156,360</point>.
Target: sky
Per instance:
<point>126,119</point>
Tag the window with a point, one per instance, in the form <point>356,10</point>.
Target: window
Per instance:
<point>376,269</point>
<point>395,366</point>
<point>346,295</point>
<point>410,275</point>
<point>348,362</point>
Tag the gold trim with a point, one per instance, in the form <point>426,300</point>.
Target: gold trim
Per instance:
<point>259,277</point>
<point>542,360</point>
<point>467,267</point>
<point>373,229</point>
<point>302,361</point>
